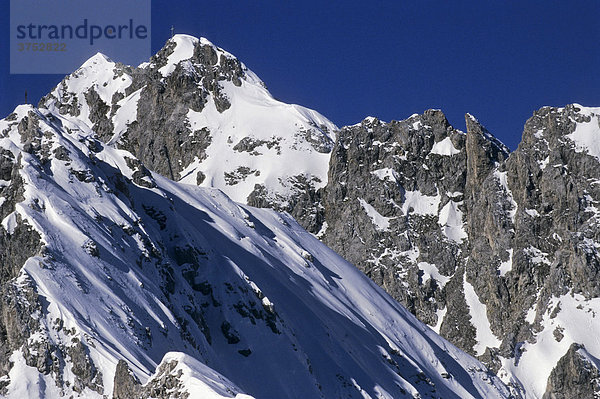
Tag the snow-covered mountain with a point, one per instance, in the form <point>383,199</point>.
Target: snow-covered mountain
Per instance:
<point>496,251</point>
<point>120,282</point>
<point>196,114</point>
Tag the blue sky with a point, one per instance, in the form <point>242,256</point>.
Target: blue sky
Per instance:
<point>498,60</point>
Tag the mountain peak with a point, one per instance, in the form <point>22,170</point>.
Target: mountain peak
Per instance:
<point>475,128</point>
<point>197,114</point>
<point>98,59</point>
<point>547,129</point>
<point>179,48</point>
<point>183,47</point>
<point>179,37</point>
<point>584,110</point>
<point>183,39</point>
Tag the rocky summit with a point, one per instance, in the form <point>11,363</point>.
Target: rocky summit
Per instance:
<point>122,279</point>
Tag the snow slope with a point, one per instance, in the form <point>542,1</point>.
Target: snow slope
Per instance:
<point>242,300</point>
<point>587,134</point>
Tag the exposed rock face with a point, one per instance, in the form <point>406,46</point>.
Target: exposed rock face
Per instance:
<point>126,385</point>
<point>167,383</point>
<point>88,376</point>
<point>161,135</point>
<point>575,376</point>
<point>386,188</point>
<point>18,304</point>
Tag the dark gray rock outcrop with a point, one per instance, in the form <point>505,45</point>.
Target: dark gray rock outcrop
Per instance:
<point>389,169</point>
<point>575,376</point>
<point>126,385</point>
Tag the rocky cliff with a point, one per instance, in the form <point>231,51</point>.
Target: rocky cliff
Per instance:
<point>497,251</point>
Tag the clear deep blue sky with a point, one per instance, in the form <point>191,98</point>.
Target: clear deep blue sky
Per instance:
<point>498,60</point>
